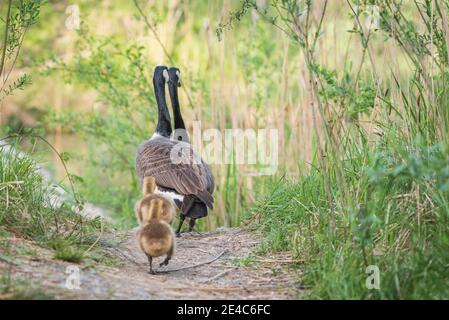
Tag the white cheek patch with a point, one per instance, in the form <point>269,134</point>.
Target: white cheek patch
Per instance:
<point>179,77</point>
<point>165,75</point>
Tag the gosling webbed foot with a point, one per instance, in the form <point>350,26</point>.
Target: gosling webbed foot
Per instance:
<point>165,262</point>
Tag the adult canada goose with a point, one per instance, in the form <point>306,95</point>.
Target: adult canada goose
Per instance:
<point>179,172</point>
<point>193,207</point>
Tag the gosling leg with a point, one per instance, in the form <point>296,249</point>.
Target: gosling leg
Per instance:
<point>150,265</point>
<point>169,256</point>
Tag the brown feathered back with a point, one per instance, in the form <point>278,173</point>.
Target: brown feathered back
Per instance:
<point>175,165</point>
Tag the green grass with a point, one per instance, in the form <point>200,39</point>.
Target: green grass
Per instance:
<point>244,261</point>
<point>372,199</point>
<point>25,210</point>
<point>67,252</point>
<point>399,222</point>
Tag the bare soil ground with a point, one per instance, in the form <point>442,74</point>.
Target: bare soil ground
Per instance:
<point>218,265</point>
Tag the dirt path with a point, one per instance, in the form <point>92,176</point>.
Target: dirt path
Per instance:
<point>235,273</point>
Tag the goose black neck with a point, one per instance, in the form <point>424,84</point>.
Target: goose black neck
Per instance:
<point>173,90</point>
<point>163,122</point>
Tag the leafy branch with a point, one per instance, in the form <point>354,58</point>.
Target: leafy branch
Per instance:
<point>19,18</point>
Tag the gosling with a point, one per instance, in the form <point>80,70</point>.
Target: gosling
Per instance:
<point>155,213</point>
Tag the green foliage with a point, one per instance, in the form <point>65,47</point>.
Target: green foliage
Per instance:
<point>23,15</point>
<point>356,101</point>
<point>27,209</point>
<point>245,261</point>
<point>401,226</point>
<point>372,200</point>
<point>260,60</point>
<point>65,251</point>
<point>122,79</point>
<point>235,17</point>
<point>419,41</point>
<point>18,84</point>
<point>19,17</point>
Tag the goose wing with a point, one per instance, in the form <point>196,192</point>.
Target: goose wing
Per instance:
<point>175,166</point>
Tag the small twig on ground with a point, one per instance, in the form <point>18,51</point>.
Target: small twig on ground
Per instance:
<point>203,251</point>
<point>125,256</point>
<point>98,238</point>
<point>194,266</point>
<point>229,289</point>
